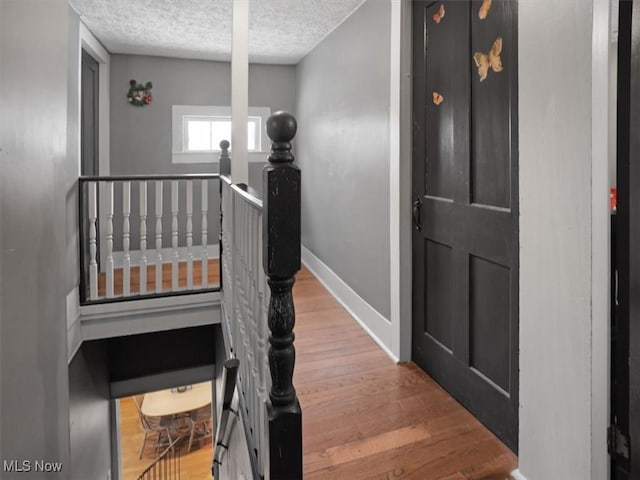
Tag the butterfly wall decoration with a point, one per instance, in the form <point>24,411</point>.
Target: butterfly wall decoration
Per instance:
<point>484,9</point>
<point>439,15</point>
<point>484,61</point>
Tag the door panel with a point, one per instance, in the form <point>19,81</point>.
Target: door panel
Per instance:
<point>465,266</point>
<point>490,113</point>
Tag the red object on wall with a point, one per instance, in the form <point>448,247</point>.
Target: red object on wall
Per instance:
<point>613,198</point>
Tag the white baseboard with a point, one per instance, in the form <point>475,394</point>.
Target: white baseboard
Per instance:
<point>213,251</point>
<point>373,322</point>
<point>517,475</point>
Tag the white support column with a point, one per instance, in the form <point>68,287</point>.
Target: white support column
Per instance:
<point>175,258</point>
<point>109,214</point>
<point>93,248</point>
<point>158,236</point>
<point>143,237</point>
<point>205,250</point>
<point>126,228</point>
<point>240,92</point>
<point>189,234</point>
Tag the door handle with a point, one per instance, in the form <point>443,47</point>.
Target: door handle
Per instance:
<point>417,204</point>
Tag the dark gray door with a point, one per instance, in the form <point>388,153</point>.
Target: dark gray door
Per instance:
<point>465,186</point>
<point>89,115</point>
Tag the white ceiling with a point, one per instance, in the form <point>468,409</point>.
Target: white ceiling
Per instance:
<point>280,31</point>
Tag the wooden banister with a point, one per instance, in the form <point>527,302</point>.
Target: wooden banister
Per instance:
<point>281,261</point>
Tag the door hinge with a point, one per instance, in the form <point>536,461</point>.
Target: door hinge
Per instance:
<point>617,442</point>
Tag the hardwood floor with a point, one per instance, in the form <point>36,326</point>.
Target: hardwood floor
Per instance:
<point>195,465</point>
<point>364,417</point>
<point>213,277</point>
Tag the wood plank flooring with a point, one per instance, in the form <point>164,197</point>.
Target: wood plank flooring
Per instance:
<point>364,417</point>
<point>213,277</point>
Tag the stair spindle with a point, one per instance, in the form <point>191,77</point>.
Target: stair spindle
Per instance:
<point>175,259</point>
<point>143,237</point>
<point>158,236</point>
<point>126,233</point>
<point>109,237</point>
<point>205,250</point>
<point>189,234</point>
<point>93,246</point>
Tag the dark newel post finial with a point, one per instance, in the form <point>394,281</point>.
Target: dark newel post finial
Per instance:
<point>281,261</point>
<point>225,160</point>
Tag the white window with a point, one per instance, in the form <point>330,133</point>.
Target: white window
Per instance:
<point>198,131</point>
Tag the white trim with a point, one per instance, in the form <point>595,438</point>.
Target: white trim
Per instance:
<point>374,323</point>
<point>400,180</point>
<point>74,335</point>
<point>167,254</point>
<point>178,112</point>
<point>600,238</point>
<point>517,475</point>
<point>93,46</point>
<point>152,315</point>
<point>192,157</point>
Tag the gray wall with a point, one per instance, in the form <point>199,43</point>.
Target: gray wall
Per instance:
<point>34,189</point>
<point>89,412</point>
<point>555,239</point>
<point>343,151</point>
<point>141,136</point>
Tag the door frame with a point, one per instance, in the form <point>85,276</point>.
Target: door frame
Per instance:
<point>400,122</point>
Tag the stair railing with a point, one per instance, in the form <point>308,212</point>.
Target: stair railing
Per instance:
<point>260,255</point>
<point>166,466</point>
<point>144,236</point>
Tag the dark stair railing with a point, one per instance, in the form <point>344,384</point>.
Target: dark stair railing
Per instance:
<point>166,466</point>
<point>260,255</point>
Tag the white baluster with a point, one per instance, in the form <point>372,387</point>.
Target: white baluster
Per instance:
<point>189,234</point>
<point>109,207</point>
<point>262,341</point>
<point>93,247</point>
<point>175,259</point>
<point>205,250</point>
<point>143,237</point>
<point>158,236</point>
<point>126,229</point>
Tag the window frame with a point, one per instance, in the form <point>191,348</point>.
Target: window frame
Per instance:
<point>180,115</point>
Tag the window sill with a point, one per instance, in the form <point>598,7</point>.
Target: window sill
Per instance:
<point>212,157</point>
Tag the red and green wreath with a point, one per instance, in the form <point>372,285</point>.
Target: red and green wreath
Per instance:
<point>139,94</point>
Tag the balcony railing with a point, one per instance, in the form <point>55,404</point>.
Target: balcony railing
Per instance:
<point>260,257</point>
<point>148,236</point>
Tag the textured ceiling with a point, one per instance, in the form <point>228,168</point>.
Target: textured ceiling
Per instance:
<point>280,31</point>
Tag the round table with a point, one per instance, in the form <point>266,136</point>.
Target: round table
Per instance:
<point>166,402</point>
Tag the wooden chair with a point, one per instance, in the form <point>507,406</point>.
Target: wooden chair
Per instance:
<point>158,425</point>
<point>200,418</point>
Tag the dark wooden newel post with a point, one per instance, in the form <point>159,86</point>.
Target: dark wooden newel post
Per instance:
<point>281,261</point>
